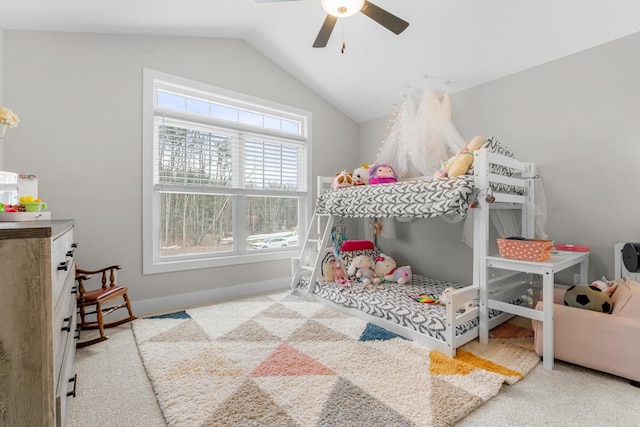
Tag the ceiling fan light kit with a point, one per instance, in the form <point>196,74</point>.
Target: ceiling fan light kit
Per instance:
<point>342,8</point>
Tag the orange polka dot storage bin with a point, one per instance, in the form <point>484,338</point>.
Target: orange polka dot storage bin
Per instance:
<point>526,250</point>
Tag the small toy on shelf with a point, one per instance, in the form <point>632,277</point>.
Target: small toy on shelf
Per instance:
<point>382,173</point>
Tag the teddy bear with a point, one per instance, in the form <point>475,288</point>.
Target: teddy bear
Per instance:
<point>362,268</point>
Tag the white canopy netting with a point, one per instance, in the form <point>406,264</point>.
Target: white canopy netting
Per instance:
<point>421,135</point>
<point>420,138</point>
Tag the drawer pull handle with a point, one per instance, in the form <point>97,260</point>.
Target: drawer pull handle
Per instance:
<point>73,380</point>
<point>74,245</point>
<point>74,290</point>
<point>63,266</point>
<point>67,328</point>
<point>77,334</point>
<point>70,253</point>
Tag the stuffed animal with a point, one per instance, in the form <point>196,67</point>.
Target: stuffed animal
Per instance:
<point>384,267</point>
<point>361,175</point>
<point>381,173</point>
<point>338,272</point>
<point>386,270</point>
<point>463,161</point>
<point>342,179</point>
<point>402,275</point>
<point>606,286</point>
<point>362,268</point>
<point>445,296</point>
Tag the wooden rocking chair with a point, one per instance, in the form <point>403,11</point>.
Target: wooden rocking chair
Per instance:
<point>97,299</point>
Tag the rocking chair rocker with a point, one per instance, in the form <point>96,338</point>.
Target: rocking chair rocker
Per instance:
<point>96,300</point>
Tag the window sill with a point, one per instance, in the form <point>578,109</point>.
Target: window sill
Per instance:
<point>168,266</point>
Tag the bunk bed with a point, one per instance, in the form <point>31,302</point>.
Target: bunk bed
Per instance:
<point>496,181</point>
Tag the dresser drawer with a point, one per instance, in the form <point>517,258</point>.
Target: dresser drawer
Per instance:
<point>64,324</point>
<point>62,265</point>
<point>67,381</point>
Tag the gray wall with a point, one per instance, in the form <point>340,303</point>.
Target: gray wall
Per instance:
<point>79,99</point>
<point>1,92</point>
<point>578,120</point>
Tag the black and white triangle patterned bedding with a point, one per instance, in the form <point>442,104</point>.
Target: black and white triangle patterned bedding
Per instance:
<point>415,199</point>
<point>395,303</point>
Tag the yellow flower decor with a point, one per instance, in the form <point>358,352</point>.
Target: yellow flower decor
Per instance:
<point>8,117</point>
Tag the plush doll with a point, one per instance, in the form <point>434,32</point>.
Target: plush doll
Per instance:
<point>385,265</point>
<point>463,161</point>
<point>381,173</point>
<point>342,179</point>
<point>386,270</point>
<point>361,175</point>
<point>338,272</point>
<point>362,268</point>
<point>328,271</point>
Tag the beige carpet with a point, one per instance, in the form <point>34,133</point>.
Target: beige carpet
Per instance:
<point>281,360</point>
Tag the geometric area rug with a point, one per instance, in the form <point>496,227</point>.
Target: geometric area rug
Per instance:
<point>280,360</point>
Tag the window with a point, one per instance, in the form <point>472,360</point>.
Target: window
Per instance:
<point>225,176</point>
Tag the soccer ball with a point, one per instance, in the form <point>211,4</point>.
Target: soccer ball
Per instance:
<point>588,297</point>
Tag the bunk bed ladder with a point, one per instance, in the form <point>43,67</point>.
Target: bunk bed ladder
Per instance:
<point>313,250</point>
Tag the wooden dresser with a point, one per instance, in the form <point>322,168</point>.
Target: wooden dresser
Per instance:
<point>37,322</point>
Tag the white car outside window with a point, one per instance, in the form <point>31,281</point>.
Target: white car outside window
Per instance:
<point>274,242</point>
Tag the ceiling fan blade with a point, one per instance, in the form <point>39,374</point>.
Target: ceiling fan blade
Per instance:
<point>325,31</point>
<point>384,18</point>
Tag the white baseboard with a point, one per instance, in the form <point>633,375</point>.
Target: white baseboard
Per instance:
<point>182,301</point>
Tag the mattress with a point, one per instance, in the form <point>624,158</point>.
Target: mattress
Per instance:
<point>394,302</point>
<point>409,199</point>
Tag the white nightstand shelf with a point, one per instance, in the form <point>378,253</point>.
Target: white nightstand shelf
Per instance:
<point>560,260</point>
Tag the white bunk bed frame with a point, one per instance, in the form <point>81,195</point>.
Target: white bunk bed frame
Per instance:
<point>505,287</point>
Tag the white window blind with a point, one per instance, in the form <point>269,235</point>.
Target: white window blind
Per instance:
<point>228,177</point>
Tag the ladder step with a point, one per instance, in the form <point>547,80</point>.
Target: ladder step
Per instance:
<point>314,240</point>
<point>306,268</point>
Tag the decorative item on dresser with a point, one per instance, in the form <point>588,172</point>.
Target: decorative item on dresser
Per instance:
<point>37,322</point>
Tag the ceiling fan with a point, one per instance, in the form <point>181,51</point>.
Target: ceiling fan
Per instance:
<point>342,8</point>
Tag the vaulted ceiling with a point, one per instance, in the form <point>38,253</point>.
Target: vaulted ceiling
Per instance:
<point>463,42</point>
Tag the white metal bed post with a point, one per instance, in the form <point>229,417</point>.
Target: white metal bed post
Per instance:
<point>528,210</point>
<point>481,239</point>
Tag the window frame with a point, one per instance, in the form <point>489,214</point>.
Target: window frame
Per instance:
<point>152,263</point>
